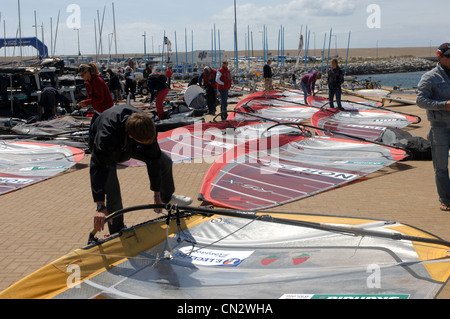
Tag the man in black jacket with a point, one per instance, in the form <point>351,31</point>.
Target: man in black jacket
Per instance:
<point>267,72</point>
<point>120,133</point>
<point>335,80</point>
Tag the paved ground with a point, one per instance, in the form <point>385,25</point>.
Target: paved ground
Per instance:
<point>45,221</point>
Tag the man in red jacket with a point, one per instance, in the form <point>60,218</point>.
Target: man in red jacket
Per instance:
<point>169,74</point>
<point>223,78</point>
<point>207,80</point>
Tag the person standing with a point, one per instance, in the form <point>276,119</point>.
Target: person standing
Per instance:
<point>130,83</point>
<point>434,96</point>
<point>121,133</point>
<point>308,84</point>
<point>158,88</point>
<point>99,96</point>
<point>267,73</point>
<point>335,80</point>
<point>169,74</point>
<point>114,85</point>
<point>294,79</point>
<point>207,80</point>
<point>223,79</point>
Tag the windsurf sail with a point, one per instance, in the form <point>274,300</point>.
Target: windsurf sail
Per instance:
<point>270,172</point>
<point>285,106</point>
<point>202,141</point>
<point>203,253</point>
<point>367,124</point>
<point>25,163</point>
<point>295,114</point>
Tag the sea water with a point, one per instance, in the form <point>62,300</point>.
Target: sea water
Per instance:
<point>404,80</point>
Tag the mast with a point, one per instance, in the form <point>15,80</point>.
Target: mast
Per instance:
<point>4,34</point>
<point>248,46</point>
<point>162,55</point>
<point>56,34</point>
<point>264,43</point>
<point>348,47</point>
<point>51,36</point>
<point>329,48</point>
<point>35,29</point>
<point>145,46</point>
<point>236,62</point>
<point>100,28</point>
<point>114,22</point>
<point>186,48</point>
<point>323,51</point>
<point>96,48</point>
<point>20,32</point>
<point>220,55</point>
<point>176,52</point>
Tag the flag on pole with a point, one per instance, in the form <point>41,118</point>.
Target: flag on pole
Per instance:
<point>168,43</point>
<point>299,52</point>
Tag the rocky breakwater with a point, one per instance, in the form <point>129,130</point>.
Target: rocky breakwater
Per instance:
<point>393,65</point>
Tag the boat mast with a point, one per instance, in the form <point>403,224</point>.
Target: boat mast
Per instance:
<point>114,22</point>
<point>35,29</point>
<point>348,48</point>
<point>20,32</point>
<point>236,63</point>
<point>56,34</point>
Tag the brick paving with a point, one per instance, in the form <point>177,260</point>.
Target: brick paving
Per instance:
<point>44,221</point>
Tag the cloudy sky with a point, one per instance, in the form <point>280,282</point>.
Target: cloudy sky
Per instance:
<point>386,23</point>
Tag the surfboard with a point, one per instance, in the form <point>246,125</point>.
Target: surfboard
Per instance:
<point>378,93</point>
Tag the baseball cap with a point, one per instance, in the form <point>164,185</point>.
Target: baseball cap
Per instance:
<point>444,50</point>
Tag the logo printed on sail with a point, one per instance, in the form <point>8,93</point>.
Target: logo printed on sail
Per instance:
<point>21,181</point>
<point>210,257</point>
<point>313,171</point>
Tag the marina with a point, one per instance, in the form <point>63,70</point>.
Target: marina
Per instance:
<point>292,199</point>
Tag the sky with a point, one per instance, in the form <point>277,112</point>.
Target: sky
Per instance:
<point>372,23</point>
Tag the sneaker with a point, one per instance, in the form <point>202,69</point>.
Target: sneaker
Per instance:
<point>180,200</point>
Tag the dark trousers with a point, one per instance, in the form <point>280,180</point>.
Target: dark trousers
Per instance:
<point>223,104</point>
<point>130,87</point>
<point>114,197</point>
<point>332,94</point>
<point>211,99</point>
